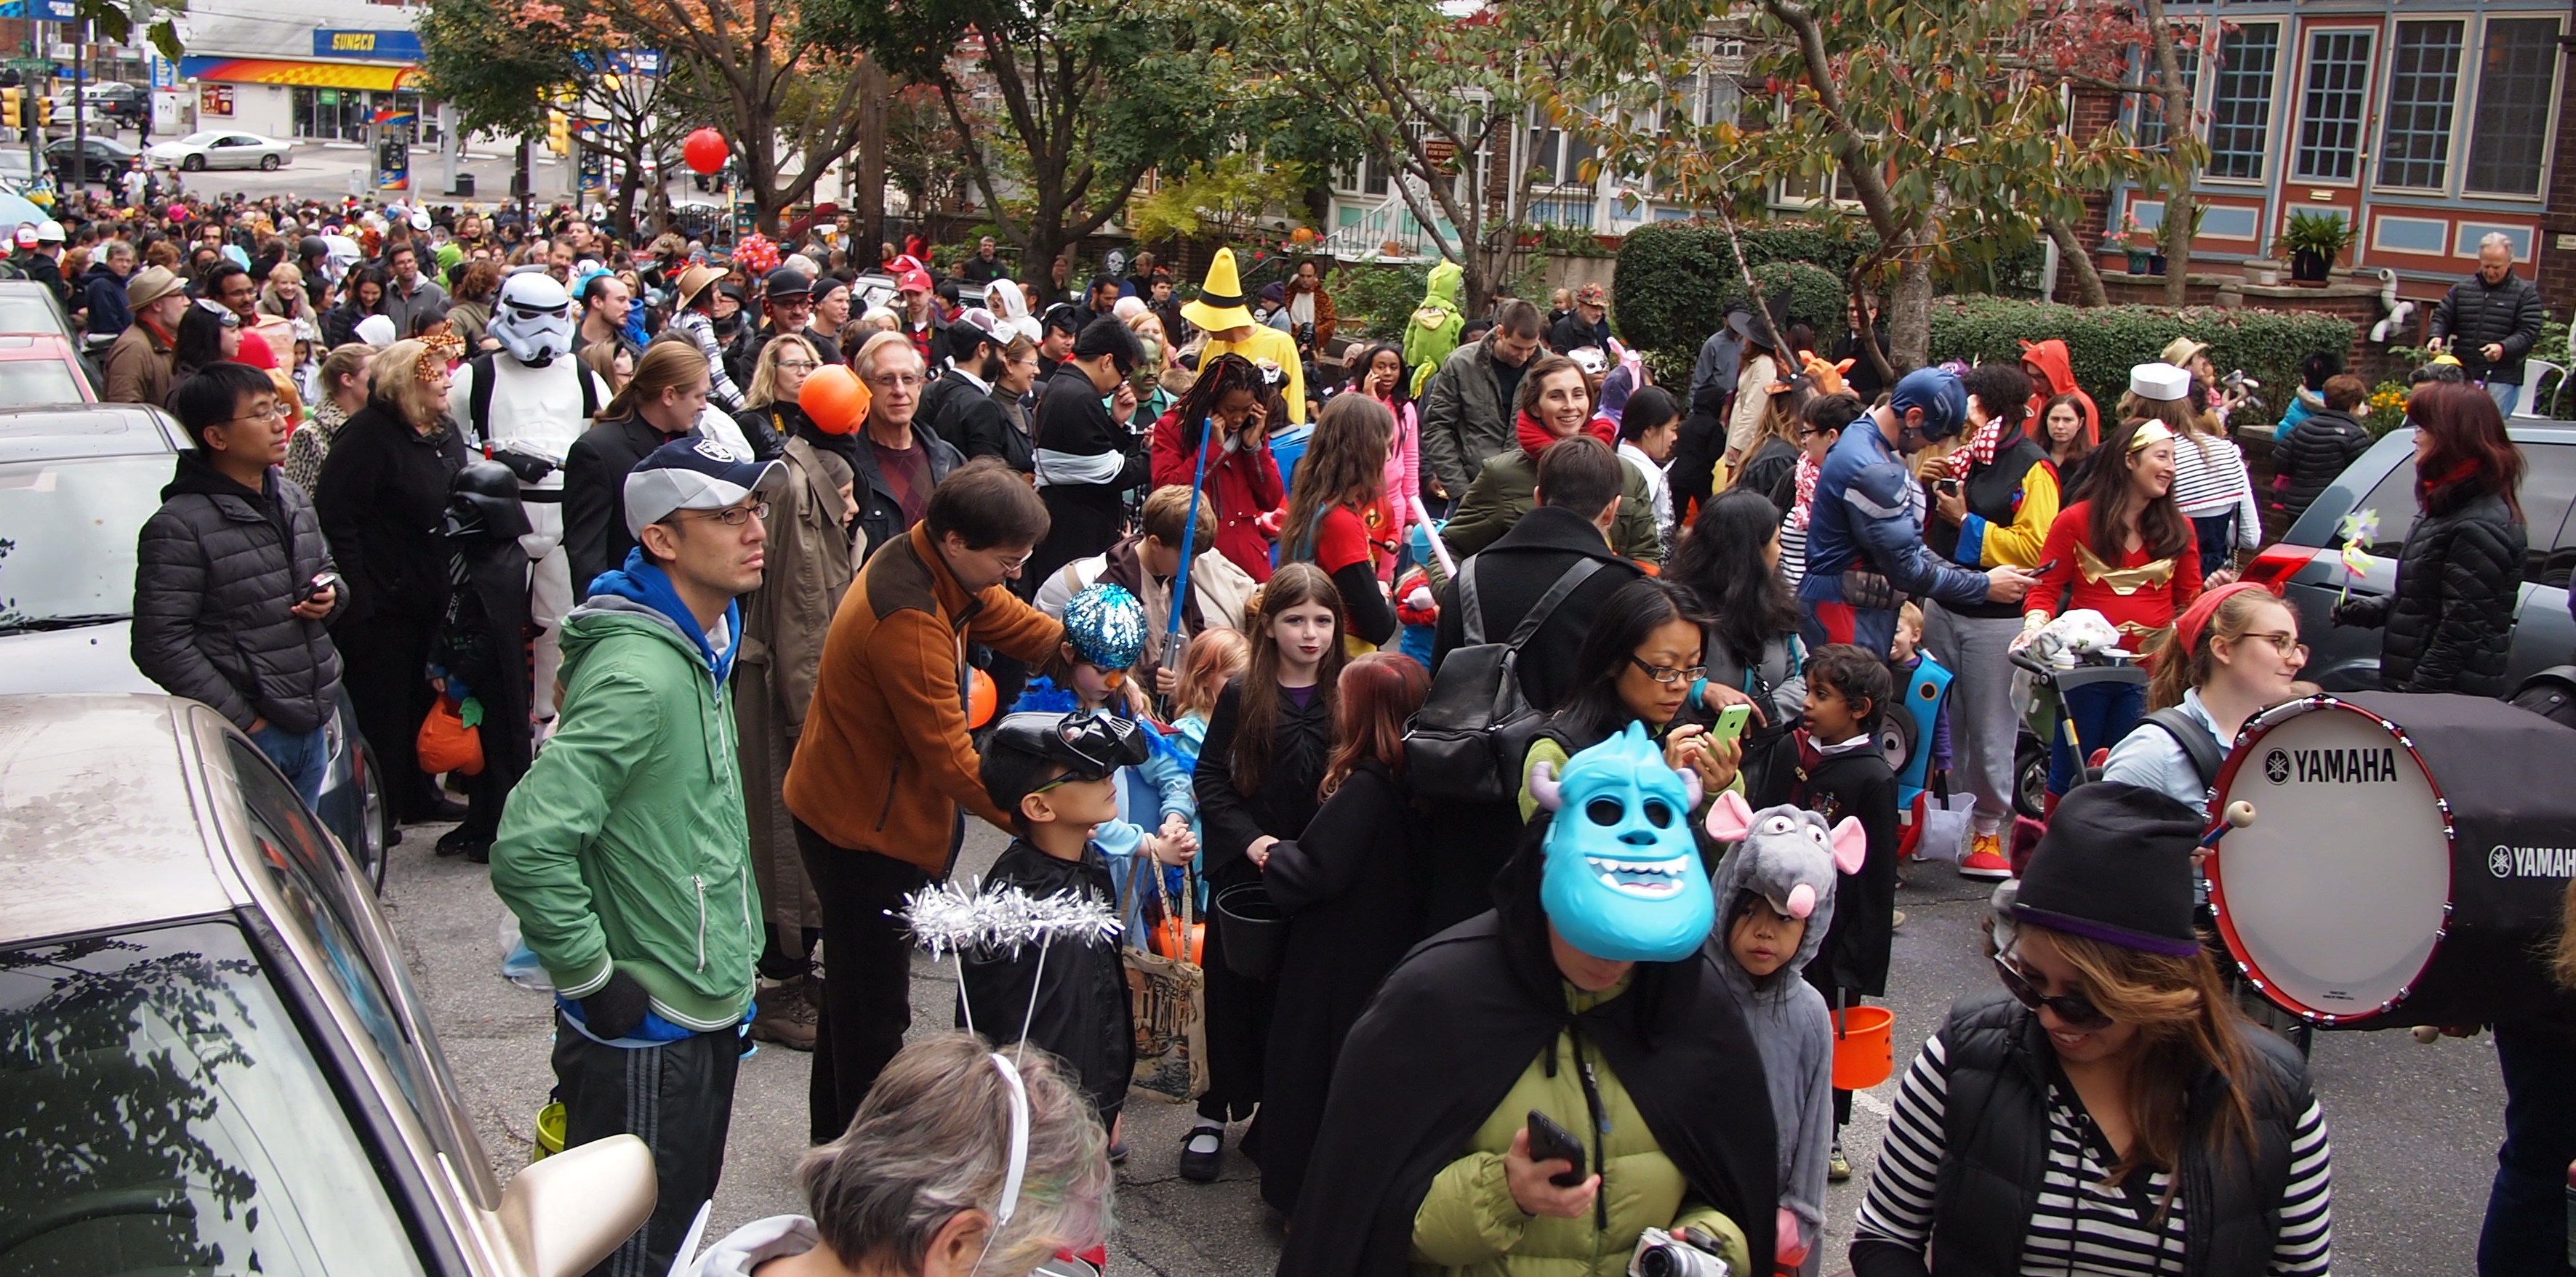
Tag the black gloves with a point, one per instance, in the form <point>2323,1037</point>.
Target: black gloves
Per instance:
<point>617,1009</point>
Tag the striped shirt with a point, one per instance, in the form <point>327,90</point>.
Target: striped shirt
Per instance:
<point>2210,479</point>
<point>2080,1227</point>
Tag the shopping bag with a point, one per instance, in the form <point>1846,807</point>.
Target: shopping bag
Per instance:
<point>1167,999</point>
<point>1945,827</point>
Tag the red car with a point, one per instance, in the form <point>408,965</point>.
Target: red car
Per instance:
<point>42,368</point>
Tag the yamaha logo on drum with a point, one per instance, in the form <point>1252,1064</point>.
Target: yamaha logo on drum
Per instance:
<point>2330,766</point>
<point>2532,862</point>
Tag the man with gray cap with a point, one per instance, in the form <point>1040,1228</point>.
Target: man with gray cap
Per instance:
<point>1865,551</point>
<point>624,850</point>
<point>138,364</point>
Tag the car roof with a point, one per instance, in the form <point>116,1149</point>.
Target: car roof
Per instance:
<point>99,821</point>
<point>69,431</point>
<point>2551,432</point>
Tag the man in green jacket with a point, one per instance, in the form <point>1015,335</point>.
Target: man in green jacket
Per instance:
<point>624,851</point>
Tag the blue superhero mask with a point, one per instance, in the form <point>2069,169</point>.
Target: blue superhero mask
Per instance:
<point>1623,879</point>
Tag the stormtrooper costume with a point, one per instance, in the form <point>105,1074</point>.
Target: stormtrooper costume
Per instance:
<point>537,401</point>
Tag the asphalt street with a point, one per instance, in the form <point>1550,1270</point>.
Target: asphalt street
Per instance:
<point>2414,1127</point>
<point>323,170</point>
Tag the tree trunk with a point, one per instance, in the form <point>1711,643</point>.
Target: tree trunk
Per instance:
<point>2180,130</point>
<point>867,201</point>
<point>2071,256</point>
<point>1909,312</point>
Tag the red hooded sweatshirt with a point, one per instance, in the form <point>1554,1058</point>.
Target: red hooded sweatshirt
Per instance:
<point>2053,374</point>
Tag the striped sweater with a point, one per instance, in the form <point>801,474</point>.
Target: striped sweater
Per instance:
<point>2083,1228</point>
<point>2210,480</point>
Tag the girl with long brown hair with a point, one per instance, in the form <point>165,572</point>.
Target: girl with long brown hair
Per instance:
<point>1352,889</point>
<point>2450,617</point>
<point>1337,515</point>
<point>1233,407</point>
<point>2126,1117</point>
<point>1259,776</point>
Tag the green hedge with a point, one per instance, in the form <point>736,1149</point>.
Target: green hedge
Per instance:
<point>1373,301</point>
<point>2104,341</point>
<point>1803,294</point>
<point>1675,277</point>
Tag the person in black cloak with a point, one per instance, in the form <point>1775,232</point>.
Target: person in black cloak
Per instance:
<point>482,643</point>
<point>1587,995</point>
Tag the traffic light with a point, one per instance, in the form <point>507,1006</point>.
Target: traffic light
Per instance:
<point>44,112</point>
<point>9,102</point>
<point>558,131</point>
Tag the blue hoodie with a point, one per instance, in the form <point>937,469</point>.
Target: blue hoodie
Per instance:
<point>641,583</point>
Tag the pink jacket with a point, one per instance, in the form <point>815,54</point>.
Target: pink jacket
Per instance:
<point>1403,479</point>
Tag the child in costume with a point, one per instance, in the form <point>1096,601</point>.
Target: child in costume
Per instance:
<point>1437,324</point>
<point>1104,635</point>
<point>1775,899</point>
<point>1840,773</point>
<point>1924,697</point>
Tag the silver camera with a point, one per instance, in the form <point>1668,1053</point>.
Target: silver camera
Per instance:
<point>1663,1254</point>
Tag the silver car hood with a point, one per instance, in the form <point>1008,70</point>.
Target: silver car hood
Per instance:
<point>93,658</point>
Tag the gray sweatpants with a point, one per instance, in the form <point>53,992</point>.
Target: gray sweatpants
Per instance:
<point>1983,726</point>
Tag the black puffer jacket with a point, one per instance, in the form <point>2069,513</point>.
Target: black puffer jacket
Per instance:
<point>2450,620</point>
<point>2474,314</point>
<point>2318,449</point>
<point>216,570</point>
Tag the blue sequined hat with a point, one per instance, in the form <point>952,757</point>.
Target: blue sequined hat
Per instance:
<point>1106,626</point>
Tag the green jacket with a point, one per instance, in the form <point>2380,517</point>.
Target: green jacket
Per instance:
<point>1508,485</point>
<point>625,845</point>
<point>1468,1224</point>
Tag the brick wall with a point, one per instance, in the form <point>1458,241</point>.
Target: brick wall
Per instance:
<point>2091,112</point>
<point>2557,266</point>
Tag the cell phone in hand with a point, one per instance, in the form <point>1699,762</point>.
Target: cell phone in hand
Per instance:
<point>322,583</point>
<point>1731,722</point>
<point>1549,1142</point>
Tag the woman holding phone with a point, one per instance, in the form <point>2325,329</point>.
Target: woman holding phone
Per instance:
<point>1231,406</point>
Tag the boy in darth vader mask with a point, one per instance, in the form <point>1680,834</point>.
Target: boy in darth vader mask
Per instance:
<point>1587,996</point>
<point>482,645</point>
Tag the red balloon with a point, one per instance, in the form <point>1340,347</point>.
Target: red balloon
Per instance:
<point>835,398</point>
<point>705,150</point>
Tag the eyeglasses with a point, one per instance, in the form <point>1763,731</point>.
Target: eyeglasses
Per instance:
<point>1013,565</point>
<point>895,380</point>
<point>2072,1009</point>
<point>1668,673</point>
<point>2283,641</point>
<point>735,516</point>
<point>795,365</point>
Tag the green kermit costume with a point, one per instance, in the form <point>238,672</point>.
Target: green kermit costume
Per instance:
<point>1433,333</point>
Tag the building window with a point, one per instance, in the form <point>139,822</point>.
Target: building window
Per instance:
<point>2423,90</point>
<point>2517,77</point>
<point>2240,108</point>
<point>2150,129</point>
<point>2331,105</point>
<point>1555,153</point>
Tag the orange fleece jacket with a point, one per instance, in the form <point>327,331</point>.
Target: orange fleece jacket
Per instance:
<point>884,762</point>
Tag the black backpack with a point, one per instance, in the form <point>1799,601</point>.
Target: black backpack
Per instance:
<point>2195,741</point>
<point>1466,742</point>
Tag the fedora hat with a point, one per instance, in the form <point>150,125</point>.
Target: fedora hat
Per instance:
<point>1219,305</point>
<point>694,281</point>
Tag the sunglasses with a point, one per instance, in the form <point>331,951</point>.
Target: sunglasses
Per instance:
<point>2073,1009</point>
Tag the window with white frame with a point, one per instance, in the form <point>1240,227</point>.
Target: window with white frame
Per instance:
<point>2423,95</point>
<point>2332,104</point>
<point>2149,125</point>
<point>2517,81</point>
<point>2240,106</point>
<point>1557,154</point>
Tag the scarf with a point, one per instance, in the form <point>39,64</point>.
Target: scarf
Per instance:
<point>1804,508</point>
<point>1536,439</point>
<point>1988,438</point>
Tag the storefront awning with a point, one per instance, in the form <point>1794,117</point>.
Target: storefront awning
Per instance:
<point>318,75</point>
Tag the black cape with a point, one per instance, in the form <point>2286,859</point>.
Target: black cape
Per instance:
<point>1453,1028</point>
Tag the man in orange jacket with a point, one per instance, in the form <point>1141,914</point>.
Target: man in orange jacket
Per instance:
<point>885,764</point>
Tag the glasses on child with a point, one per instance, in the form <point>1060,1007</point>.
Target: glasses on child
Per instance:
<point>1669,673</point>
<point>2074,1010</point>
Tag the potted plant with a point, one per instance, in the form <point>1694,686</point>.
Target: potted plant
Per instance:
<point>2138,241</point>
<point>2164,234</point>
<point>2313,240</point>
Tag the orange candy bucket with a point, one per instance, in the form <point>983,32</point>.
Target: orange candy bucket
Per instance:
<point>1864,1047</point>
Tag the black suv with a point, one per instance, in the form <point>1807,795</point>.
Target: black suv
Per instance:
<point>115,97</point>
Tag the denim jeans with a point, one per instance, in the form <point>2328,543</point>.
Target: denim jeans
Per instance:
<point>2526,1225</point>
<point>2099,714</point>
<point>305,757</point>
<point>2506,395</point>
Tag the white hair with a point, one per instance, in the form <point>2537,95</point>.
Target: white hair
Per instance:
<point>2497,239</point>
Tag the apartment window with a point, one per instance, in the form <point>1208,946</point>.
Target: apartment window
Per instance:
<point>2240,108</point>
<point>2150,130</point>
<point>1721,99</point>
<point>1557,154</point>
<point>2517,77</point>
<point>2331,105</point>
<point>2423,92</point>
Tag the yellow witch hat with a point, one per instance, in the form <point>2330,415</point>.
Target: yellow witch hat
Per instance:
<point>1220,301</point>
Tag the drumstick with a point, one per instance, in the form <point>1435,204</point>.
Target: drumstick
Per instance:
<point>2239,815</point>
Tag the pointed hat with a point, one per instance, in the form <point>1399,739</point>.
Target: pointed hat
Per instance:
<point>1220,301</point>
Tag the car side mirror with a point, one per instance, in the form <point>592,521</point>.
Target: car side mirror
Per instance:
<point>565,1213</point>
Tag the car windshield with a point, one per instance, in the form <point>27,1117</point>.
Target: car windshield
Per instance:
<point>67,532</point>
<point>28,313</point>
<point>37,381</point>
<point>199,139</point>
<point>166,1116</point>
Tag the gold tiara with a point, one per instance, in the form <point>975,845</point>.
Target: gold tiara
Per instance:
<point>2150,431</point>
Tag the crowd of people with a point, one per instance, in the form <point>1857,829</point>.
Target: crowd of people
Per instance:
<point>1167,591</point>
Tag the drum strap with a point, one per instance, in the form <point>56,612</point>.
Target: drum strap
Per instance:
<point>2195,742</point>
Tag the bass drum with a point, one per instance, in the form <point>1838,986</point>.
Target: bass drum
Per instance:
<point>2405,862</point>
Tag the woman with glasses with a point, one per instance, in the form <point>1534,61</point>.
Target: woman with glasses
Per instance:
<point>2108,1112</point>
<point>2123,549</point>
<point>770,415</point>
<point>1639,663</point>
<point>2235,653</point>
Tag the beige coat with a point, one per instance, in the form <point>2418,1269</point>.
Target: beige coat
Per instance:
<point>783,624</point>
<point>138,367</point>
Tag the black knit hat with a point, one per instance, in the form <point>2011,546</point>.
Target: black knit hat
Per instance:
<point>2115,866</point>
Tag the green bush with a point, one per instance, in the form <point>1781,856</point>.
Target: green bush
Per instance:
<point>1675,277</point>
<point>1373,301</point>
<point>1801,294</point>
<point>2105,341</point>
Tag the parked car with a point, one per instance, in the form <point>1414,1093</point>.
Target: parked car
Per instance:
<point>199,151</point>
<point>42,368</point>
<point>27,306</point>
<point>76,486</point>
<point>127,102</point>
<point>104,158</point>
<point>2307,565</point>
<point>218,1059</point>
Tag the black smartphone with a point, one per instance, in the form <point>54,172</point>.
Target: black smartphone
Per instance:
<point>2045,568</point>
<point>321,581</point>
<point>1550,1142</point>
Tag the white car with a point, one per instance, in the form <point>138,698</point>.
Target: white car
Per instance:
<point>220,150</point>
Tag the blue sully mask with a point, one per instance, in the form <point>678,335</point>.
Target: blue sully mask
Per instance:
<point>1623,878</point>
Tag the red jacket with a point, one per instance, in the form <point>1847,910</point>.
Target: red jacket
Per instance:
<point>1243,486</point>
<point>2146,606</point>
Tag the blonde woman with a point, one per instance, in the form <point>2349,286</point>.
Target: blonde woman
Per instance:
<point>342,386</point>
<point>771,416</point>
<point>661,402</point>
<point>382,490</point>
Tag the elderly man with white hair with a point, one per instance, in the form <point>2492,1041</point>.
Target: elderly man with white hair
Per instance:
<point>2490,321</point>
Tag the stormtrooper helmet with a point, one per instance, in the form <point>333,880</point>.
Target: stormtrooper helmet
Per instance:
<point>340,254</point>
<point>533,318</point>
